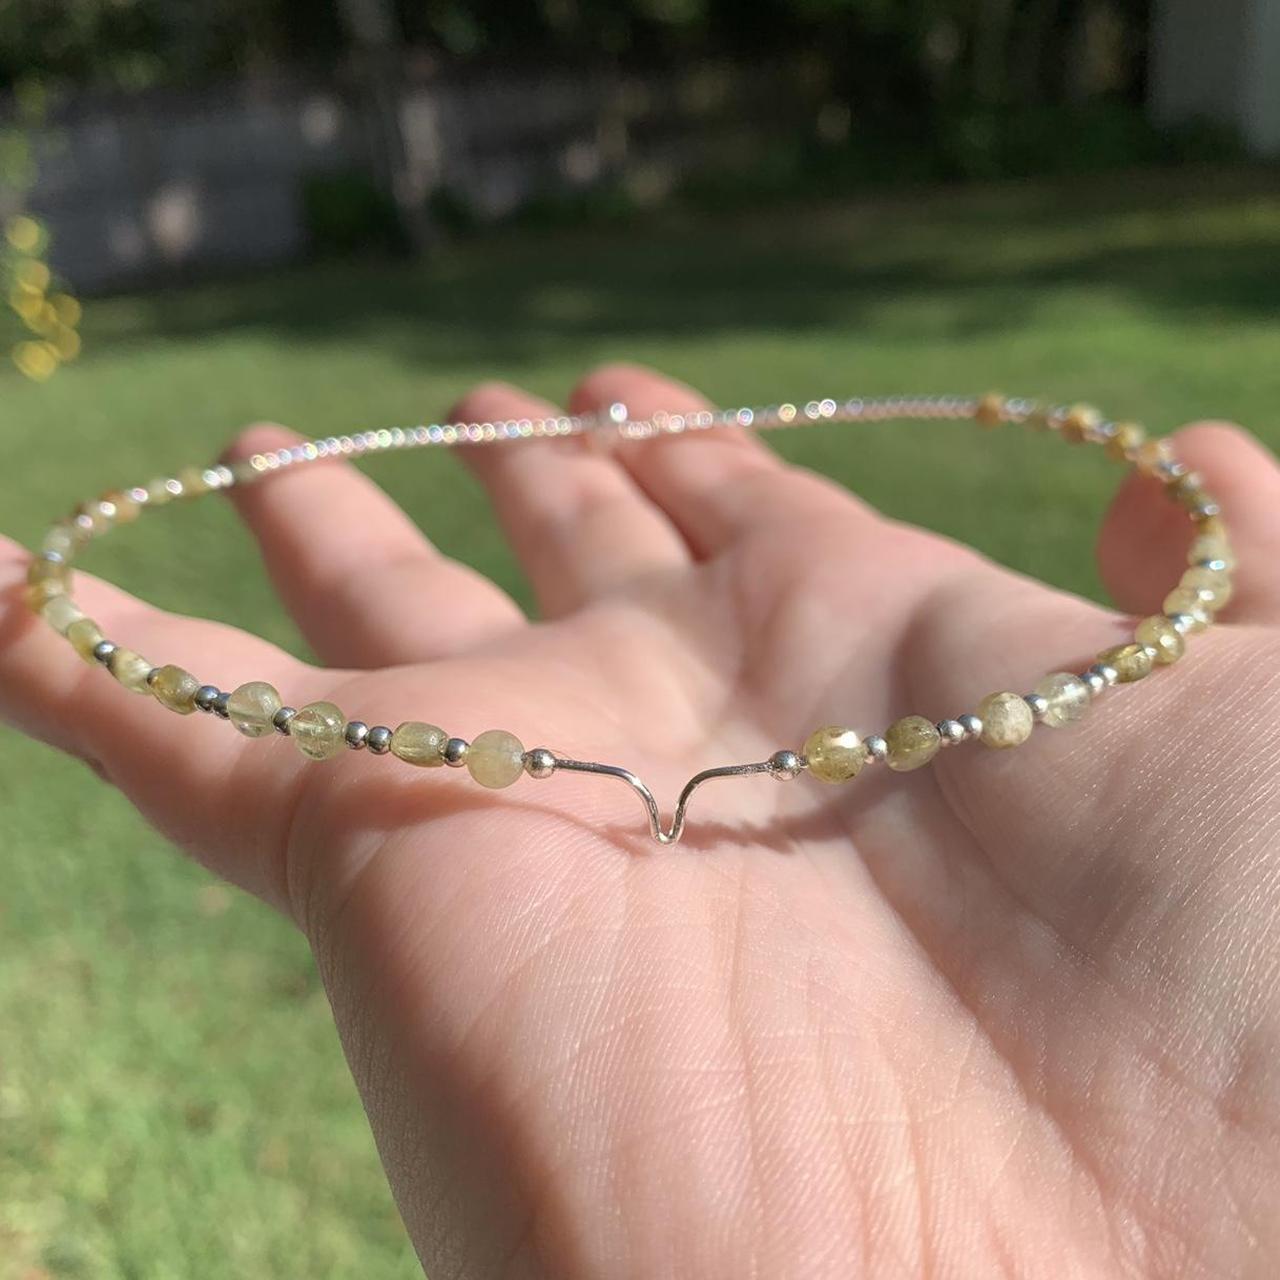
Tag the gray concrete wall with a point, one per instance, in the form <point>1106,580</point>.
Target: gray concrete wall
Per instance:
<point>173,183</point>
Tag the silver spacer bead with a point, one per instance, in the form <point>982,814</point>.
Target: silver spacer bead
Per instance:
<point>354,735</point>
<point>540,762</point>
<point>1108,673</point>
<point>151,676</point>
<point>52,557</point>
<point>206,696</point>
<point>1093,682</point>
<point>282,719</point>
<point>1183,623</point>
<point>951,732</point>
<point>971,724</point>
<point>103,651</point>
<point>1203,510</point>
<point>220,706</point>
<point>876,747</point>
<point>455,752</point>
<point>1151,651</point>
<point>785,765</point>
<point>378,739</point>
<point>1038,703</point>
<point>1219,566</point>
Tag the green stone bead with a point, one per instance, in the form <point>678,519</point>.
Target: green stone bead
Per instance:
<point>1158,633</point>
<point>419,744</point>
<point>835,754</point>
<point>252,707</point>
<point>912,742</point>
<point>496,758</point>
<point>85,636</point>
<point>317,730</point>
<point>1007,720</point>
<point>176,689</point>
<point>1131,662</point>
<point>131,669</point>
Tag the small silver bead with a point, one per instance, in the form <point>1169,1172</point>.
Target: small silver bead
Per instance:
<point>951,732</point>
<point>785,765</point>
<point>52,557</point>
<point>1218,566</point>
<point>378,739</point>
<point>103,650</point>
<point>206,696</point>
<point>152,676</point>
<point>1183,623</point>
<point>354,734</point>
<point>540,762</point>
<point>282,719</point>
<point>1038,703</point>
<point>1108,673</point>
<point>971,724</point>
<point>1093,682</point>
<point>1203,510</point>
<point>876,747</point>
<point>220,706</point>
<point>455,752</point>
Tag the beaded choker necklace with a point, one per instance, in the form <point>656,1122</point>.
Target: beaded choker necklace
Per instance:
<point>496,758</point>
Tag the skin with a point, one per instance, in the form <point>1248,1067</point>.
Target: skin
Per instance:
<point>1014,1014</point>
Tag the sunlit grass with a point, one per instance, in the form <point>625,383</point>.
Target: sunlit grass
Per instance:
<point>172,1097</point>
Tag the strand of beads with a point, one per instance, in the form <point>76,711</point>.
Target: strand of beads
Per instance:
<point>496,758</point>
<point>1004,719</point>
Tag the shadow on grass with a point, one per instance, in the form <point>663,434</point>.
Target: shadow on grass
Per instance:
<point>994,256</point>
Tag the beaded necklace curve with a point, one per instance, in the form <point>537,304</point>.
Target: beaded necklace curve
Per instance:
<point>497,758</point>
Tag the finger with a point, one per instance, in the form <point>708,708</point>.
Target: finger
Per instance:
<point>364,585</point>
<point>578,524</point>
<point>1144,541</point>
<point>222,797</point>
<point>713,483</point>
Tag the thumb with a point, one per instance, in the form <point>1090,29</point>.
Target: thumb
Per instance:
<point>1143,546</point>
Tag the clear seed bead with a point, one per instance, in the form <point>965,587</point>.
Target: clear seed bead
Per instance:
<point>317,730</point>
<point>131,669</point>
<point>834,754</point>
<point>176,689</point>
<point>252,708</point>
<point>1158,633</point>
<point>1007,720</point>
<point>1214,586</point>
<point>1130,661</point>
<point>1067,696</point>
<point>1187,600</point>
<point>496,758</point>
<point>420,744</point>
<point>912,742</point>
<point>61,612</point>
<point>84,634</point>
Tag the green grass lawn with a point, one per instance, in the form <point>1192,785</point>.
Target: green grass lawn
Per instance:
<point>173,1101</point>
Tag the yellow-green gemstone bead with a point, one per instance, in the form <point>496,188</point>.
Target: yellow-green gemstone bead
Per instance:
<point>40,593</point>
<point>1080,421</point>
<point>1152,454</point>
<point>989,410</point>
<point>317,730</point>
<point>176,689</point>
<point>1158,633</point>
<point>127,510</point>
<point>1131,661</point>
<point>131,669</point>
<point>1211,546</point>
<point>495,758</point>
<point>420,744</point>
<point>835,754</point>
<point>1187,600</point>
<point>84,635</point>
<point>40,571</point>
<point>1213,585</point>
<point>911,742</point>
<point>1067,698</point>
<point>62,540</point>
<point>1006,719</point>
<point>192,481</point>
<point>159,491</point>
<point>61,612</point>
<point>252,707</point>
<point>1128,436</point>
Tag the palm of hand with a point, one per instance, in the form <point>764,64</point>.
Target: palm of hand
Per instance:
<point>1013,1012</point>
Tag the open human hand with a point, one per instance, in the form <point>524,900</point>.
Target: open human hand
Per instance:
<point>1016,1013</point>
